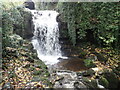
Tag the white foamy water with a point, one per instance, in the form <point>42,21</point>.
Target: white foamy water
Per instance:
<point>46,36</point>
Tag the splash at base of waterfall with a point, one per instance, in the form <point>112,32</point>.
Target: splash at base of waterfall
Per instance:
<point>47,59</point>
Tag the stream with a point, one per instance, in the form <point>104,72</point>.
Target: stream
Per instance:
<point>46,42</point>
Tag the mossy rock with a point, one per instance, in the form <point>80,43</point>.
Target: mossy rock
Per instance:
<point>82,54</point>
<point>103,81</point>
<point>89,63</point>
<point>89,72</point>
<point>16,40</point>
<point>40,64</point>
<point>85,79</point>
<point>37,72</point>
<point>112,78</point>
<point>117,71</point>
<point>94,83</point>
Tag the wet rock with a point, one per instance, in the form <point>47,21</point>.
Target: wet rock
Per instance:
<point>103,81</point>
<point>73,64</point>
<point>87,73</point>
<point>112,78</point>
<point>94,84</point>
<point>68,84</point>
<point>96,69</point>
<point>67,79</point>
<point>58,85</point>
<point>86,79</point>
<point>100,72</point>
<point>79,85</point>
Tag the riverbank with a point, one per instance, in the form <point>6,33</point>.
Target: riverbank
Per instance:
<point>87,66</point>
<point>22,69</point>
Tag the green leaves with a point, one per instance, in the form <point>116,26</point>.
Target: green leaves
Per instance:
<point>102,18</point>
<point>11,16</point>
<point>89,63</point>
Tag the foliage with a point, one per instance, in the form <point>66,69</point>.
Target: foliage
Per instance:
<point>101,18</point>
<point>11,16</point>
<point>19,67</point>
<point>89,63</point>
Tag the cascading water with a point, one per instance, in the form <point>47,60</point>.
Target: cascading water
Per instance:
<point>46,36</point>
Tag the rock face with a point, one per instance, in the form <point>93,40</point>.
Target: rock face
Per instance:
<point>29,4</point>
<point>28,32</point>
<point>62,27</point>
<point>26,29</point>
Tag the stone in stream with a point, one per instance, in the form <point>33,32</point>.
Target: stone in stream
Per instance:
<point>79,85</point>
<point>89,72</point>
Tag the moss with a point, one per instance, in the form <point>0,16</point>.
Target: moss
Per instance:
<point>82,54</point>
<point>94,83</point>
<point>40,64</point>
<point>103,81</point>
<point>89,63</point>
<point>112,78</point>
<point>85,79</point>
<point>36,72</point>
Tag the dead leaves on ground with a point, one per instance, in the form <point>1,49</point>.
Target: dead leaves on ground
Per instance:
<point>18,72</point>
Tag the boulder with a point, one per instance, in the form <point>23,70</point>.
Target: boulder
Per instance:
<point>26,29</point>
<point>29,4</point>
<point>89,72</point>
<point>16,41</point>
<point>112,79</point>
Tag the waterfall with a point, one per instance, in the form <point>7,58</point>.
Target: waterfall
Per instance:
<point>46,36</point>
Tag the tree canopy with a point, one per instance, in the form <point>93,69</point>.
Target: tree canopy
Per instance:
<point>101,18</point>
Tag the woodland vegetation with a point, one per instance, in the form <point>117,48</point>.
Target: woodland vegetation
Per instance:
<point>94,23</point>
<point>99,20</point>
